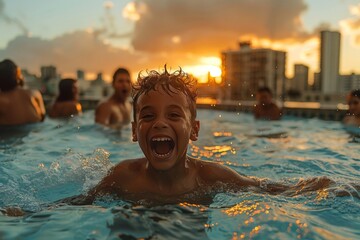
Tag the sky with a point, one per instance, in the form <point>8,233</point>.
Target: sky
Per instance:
<point>100,36</point>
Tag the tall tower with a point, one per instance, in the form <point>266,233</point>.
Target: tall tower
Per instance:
<point>246,69</point>
<point>48,72</point>
<point>80,74</point>
<point>300,79</point>
<point>329,61</point>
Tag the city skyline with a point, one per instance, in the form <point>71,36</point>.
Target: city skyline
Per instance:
<point>98,36</point>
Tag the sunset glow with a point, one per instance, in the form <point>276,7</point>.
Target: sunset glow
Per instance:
<point>146,34</point>
<point>207,65</point>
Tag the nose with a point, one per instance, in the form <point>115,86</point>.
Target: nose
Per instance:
<point>160,124</point>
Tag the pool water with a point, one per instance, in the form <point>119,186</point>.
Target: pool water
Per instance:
<point>44,162</point>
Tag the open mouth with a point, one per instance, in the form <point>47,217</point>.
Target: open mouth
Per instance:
<point>162,146</point>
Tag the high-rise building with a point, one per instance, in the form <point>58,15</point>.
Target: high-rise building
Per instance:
<point>349,82</point>
<point>300,79</point>
<point>80,74</point>
<point>246,69</point>
<point>317,83</point>
<point>48,72</point>
<point>329,61</point>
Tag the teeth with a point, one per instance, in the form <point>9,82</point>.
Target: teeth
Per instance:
<point>163,139</point>
<point>162,155</point>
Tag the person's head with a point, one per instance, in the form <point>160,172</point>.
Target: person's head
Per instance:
<point>68,90</point>
<point>264,95</point>
<point>164,108</point>
<point>121,83</point>
<point>10,75</point>
<point>353,101</point>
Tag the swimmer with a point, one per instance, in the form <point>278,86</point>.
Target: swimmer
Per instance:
<point>352,117</point>
<point>115,111</point>
<point>265,108</point>
<point>66,104</point>
<point>18,105</point>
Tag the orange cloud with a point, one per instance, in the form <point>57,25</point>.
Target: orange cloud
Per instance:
<point>207,26</point>
<point>83,50</point>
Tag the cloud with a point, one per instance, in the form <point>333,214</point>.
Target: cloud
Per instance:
<point>12,20</point>
<point>174,32</point>
<point>210,25</point>
<point>352,25</point>
<point>83,50</point>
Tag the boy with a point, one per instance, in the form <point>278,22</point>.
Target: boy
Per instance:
<point>164,112</point>
<point>265,107</point>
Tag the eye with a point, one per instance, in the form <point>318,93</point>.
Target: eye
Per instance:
<point>146,116</point>
<point>174,115</point>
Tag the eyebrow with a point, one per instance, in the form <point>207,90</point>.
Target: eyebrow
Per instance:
<point>146,107</point>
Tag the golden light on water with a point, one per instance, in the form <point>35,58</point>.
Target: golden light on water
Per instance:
<point>201,208</point>
<point>322,194</point>
<point>245,207</point>
<point>250,209</point>
<point>222,134</point>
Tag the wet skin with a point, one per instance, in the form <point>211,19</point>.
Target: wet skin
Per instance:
<point>115,111</point>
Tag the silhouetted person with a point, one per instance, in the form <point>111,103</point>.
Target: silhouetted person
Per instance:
<point>353,115</point>
<point>18,105</point>
<point>265,108</point>
<point>115,111</point>
<point>66,104</point>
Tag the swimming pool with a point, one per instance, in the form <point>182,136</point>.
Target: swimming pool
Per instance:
<point>44,162</point>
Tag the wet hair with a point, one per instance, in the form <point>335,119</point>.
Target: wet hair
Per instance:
<point>264,89</point>
<point>178,80</point>
<point>120,71</point>
<point>8,75</point>
<point>355,93</point>
<point>66,92</point>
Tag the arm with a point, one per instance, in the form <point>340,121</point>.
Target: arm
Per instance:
<point>40,103</point>
<point>213,173</point>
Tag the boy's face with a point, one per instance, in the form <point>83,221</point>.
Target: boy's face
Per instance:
<point>354,105</point>
<point>122,84</point>
<point>163,128</point>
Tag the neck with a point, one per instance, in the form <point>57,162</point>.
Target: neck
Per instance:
<point>169,178</point>
<point>118,97</point>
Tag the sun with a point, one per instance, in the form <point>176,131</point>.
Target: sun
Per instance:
<point>206,66</point>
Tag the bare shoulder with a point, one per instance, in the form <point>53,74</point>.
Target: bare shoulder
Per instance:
<point>35,92</point>
<point>212,172</point>
<point>126,170</point>
<point>118,178</point>
<point>106,103</point>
